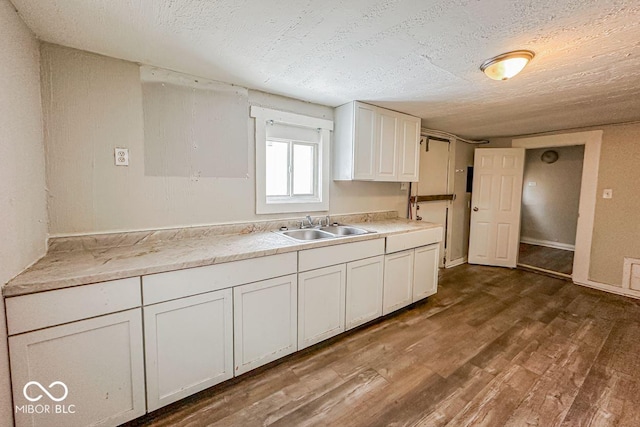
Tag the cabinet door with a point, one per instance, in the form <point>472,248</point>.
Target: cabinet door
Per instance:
<point>321,301</point>
<point>388,134</point>
<point>409,145</point>
<point>364,146</point>
<point>99,362</point>
<point>265,322</point>
<point>188,346</point>
<point>364,291</point>
<point>398,281</point>
<point>425,271</point>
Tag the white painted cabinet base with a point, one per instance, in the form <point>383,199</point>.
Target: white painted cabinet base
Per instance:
<point>188,345</point>
<point>321,301</point>
<point>99,360</point>
<point>398,281</point>
<point>265,322</point>
<point>425,271</point>
<point>364,291</point>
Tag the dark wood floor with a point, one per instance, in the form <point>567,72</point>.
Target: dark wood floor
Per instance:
<point>494,347</point>
<point>552,259</point>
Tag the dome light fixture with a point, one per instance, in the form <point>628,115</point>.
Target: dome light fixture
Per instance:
<point>507,65</point>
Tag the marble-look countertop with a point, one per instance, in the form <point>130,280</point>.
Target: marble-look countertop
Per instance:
<point>66,268</point>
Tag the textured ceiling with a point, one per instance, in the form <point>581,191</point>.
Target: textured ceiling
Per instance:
<point>419,57</point>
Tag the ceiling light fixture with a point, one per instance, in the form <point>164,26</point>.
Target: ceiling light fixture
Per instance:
<point>507,65</point>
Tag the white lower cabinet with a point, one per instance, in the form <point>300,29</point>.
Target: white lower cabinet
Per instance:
<point>265,322</point>
<point>188,345</point>
<point>321,304</point>
<point>425,271</point>
<point>398,281</point>
<point>364,291</point>
<point>87,372</point>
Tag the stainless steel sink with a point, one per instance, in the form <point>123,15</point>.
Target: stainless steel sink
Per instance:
<point>308,234</point>
<point>327,232</point>
<point>344,230</point>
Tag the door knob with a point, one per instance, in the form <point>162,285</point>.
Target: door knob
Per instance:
<point>475,209</point>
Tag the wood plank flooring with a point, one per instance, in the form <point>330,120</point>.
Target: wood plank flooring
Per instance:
<point>494,347</point>
<point>552,259</point>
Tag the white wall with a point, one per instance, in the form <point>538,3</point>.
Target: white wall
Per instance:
<point>551,196</point>
<point>23,213</point>
<point>94,103</point>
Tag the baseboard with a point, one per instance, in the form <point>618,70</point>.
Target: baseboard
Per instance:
<point>544,271</point>
<point>548,244</point>
<point>456,262</point>
<point>610,288</point>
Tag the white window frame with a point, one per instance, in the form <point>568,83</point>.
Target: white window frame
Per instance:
<point>315,203</point>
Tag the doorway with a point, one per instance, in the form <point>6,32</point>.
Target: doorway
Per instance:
<point>433,191</point>
<point>591,140</point>
<point>550,203</point>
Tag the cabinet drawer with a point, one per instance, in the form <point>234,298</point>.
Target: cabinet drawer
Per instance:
<point>312,259</point>
<point>414,239</point>
<point>44,309</point>
<point>192,281</point>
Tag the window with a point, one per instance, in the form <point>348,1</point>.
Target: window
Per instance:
<point>292,162</point>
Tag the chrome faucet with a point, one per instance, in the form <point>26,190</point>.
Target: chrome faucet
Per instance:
<point>309,221</point>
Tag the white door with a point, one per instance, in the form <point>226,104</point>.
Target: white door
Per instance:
<point>495,206</point>
<point>265,322</point>
<point>398,281</point>
<point>434,180</point>
<point>364,291</point>
<point>425,271</point>
<point>321,301</point>
<point>188,346</point>
<point>99,362</point>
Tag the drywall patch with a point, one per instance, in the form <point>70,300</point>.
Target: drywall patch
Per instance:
<point>193,127</point>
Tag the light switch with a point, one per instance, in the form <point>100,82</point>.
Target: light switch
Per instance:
<point>607,193</point>
<point>532,183</point>
<point>404,186</point>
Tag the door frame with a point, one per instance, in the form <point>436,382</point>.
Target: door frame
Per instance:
<point>592,141</point>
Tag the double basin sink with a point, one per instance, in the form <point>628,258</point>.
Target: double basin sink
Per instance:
<point>326,232</point>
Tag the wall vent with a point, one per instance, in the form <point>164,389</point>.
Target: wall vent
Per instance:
<point>631,274</point>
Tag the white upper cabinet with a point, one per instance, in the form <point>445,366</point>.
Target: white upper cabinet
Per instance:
<point>364,136</point>
<point>387,147</point>
<point>375,144</point>
<point>409,149</point>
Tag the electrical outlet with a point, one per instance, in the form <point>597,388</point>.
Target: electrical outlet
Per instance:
<point>122,156</point>
<point>404,186</point>
<point>607,193</point>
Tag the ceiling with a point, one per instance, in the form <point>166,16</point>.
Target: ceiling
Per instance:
<point>419,57</point>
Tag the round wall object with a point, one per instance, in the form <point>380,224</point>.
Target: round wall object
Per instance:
<point>549,156</point>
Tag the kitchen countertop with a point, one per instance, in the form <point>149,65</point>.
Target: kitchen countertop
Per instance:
<point>62,269</point>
